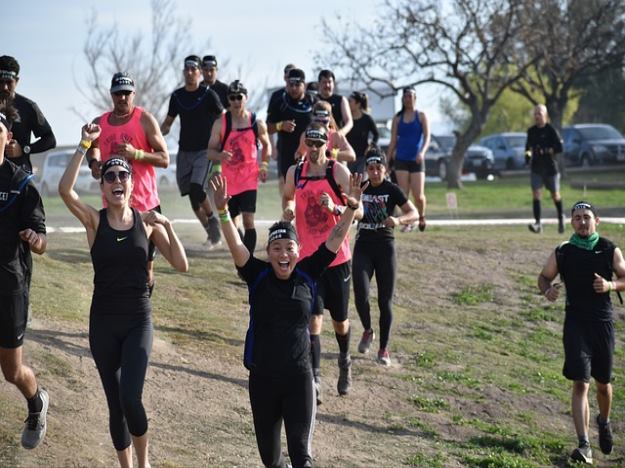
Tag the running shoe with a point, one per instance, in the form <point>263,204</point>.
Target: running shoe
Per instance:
<point>422,223</point>
<point>605,436</point>
<point>35,427</point>
<point>317,384</point>
<point>384,357</point>
<point>407,228</point>
<point>561,226</point>
<point>582,455</point>
<point>345,374</point>
<point>536,228</point>
<point>214,233</point>
<point>365,342</point>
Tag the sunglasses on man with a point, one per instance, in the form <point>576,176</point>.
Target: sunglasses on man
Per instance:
<point>315,143</point>
<point>122,93</point>
<point>111,176</point>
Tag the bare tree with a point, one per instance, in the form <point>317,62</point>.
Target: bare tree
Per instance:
<point>468,47</point>
<point>574,40</point>
<point>154,60</point>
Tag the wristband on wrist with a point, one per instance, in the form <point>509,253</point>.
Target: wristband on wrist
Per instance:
<point>338,210</point>
<point>139,155</point>
<point>279,126</point>
<point>350,204</point>
<point>85,144</point>
<point>611,286</point>
<point>81,149</point>
<point>224,215</point>
<point>334,152</point>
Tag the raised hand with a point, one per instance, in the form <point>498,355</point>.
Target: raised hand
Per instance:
<point>90,132</point>
<point>220,191</point>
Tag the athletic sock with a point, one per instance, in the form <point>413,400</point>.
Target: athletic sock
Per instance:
<point>601,420</point>
<point>35,404</point>
<point>343,341</point>
<point>583,441</point>
<point>559,208</point>
<point>536,209</point>
<point>249,239</point>
<point>315,353</point>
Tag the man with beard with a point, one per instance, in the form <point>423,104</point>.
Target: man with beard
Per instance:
<point>209,72</point>
<point>340,106</point>
<point>29,119</point>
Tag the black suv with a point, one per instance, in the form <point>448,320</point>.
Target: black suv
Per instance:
<point>590,144</point>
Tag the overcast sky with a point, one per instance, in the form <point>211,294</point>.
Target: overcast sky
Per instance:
<point>46,37</point>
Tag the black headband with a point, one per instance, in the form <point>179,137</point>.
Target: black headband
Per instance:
<point>375,159</point>
<point>8,75</point>
<point>115,162</point>
<point>282,233</point>
<point>583,205</point>
<point>314,134</point>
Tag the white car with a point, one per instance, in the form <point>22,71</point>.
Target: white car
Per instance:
<point>53,168</point>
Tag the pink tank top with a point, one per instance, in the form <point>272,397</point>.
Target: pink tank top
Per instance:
<point>313,222</point>
<point>144,192</point>
<point>241,171</point>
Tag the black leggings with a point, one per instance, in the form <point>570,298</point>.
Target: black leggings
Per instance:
<point>378,257</point>
<point>290,398</point>
<point>121,345</point>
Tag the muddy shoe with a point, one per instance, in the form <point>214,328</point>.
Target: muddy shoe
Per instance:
<point>384,357</point>
<point>35,428</point>
<point>365,342</point>
<point>345,374</point>
<point>536,228</point>
<point>605,436</point>
<point>582,455</point>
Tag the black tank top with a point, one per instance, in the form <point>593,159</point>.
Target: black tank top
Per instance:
<point>577,268</point>
<point>335,101</point>
<point>120,264</point>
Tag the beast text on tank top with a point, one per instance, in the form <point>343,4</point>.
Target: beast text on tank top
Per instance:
<point>241,171</point>
<point>409,138</point>
<point>313,222</point>
<point>120,261</point>
<point>144,191</point>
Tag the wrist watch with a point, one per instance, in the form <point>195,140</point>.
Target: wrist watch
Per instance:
<point>26,149</point>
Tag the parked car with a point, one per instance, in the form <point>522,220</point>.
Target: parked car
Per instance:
<point>478,159</point>
<point>53,168</point>
<point>508,149</point>
<point>166,177</point>
<point>590,144</point>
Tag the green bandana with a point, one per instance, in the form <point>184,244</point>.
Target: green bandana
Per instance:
<point>586,243</point>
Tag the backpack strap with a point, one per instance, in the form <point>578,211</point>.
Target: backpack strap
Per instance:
<point>19,181</point>
<point>225,130</point>
<point>332,181</point>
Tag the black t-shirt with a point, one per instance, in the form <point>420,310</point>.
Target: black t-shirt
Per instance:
<point>221,89</point>
<point>25,212</point>
<point>539,141</point>
<point>577,268</point>
<point>281,311</point>
<point>379,203</point>
<point>286,108</point>
<point>29,120</point>
<point>335,101</point>
<point>358,136</point>
<point>198,110</point>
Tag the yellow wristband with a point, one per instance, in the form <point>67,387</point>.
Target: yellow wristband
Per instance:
<point>611,286</point>
<point>139,155</point>
<point>334,152</point>
<point>85,144</point>
<point>279,126</point>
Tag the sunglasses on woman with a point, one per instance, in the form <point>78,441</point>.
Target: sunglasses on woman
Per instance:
<point>315,143</point>
<point>111,176</point>
<point>235,97</point>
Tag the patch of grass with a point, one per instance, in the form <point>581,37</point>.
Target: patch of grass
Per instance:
<point>494,459</point>
<point>425,360</point>
<point>459,378</point>
<point>421,459</point>
<point>427,430</point>
<point>429,405</point>
<point>473,295</point>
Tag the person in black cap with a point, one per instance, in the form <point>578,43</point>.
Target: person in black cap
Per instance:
<point>277,345</point>
<point>374,250</point>
<point>120,323</point>
<point>340,107</point>
<point>234,145</point>
<point>586,264</point>
<point>29,119</point>
<point>199,107</point>
<point>22,231</point>
<point>209,71</point>
<point>288,116</point>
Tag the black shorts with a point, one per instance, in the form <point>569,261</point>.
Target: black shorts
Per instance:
<point>410,166</point>
<point>588,350</point>
<point>333,291</point>
<point>244,202</point>
<point>13,316</point>
<point>151,247</point>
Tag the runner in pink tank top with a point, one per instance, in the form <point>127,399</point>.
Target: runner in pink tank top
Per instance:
<point>312,196</point>
<point>233,143</point>
<point>133,134</point>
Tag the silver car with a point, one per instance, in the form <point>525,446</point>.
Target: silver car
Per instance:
<point>53,168</point>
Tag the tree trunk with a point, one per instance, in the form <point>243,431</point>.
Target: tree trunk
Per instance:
<point>463,141</point>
